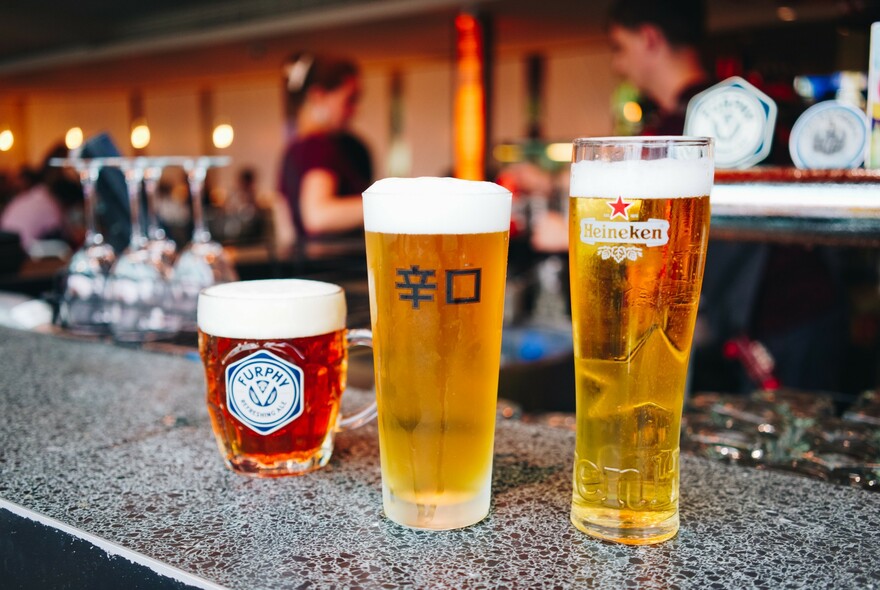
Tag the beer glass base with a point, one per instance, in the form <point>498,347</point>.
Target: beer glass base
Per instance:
<point>291,464</point>
<point>436,512</point>
<point>251,467</point>
<point>627,531</point>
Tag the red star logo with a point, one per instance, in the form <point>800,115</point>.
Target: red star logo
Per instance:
<point>618,208</point>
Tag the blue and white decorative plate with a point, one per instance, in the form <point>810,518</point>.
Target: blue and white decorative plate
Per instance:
<point>740,117</point>
<point>829,135</point>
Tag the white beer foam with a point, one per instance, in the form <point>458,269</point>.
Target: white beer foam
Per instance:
<point>282,308</point>
<point>643,179</point>
<point>429,205</point>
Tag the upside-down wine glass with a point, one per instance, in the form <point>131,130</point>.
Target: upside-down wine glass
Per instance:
<point>82,308</point>
<point>203,262</point>
<point>138,293</point>
<point>157,241</point>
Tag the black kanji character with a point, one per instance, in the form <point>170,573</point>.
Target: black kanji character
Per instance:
<point>451,275</point>
<point>415,295</point>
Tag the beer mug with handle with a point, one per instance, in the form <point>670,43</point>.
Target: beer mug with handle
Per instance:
<point>437,262</point>
<point>638,230</point>
<point>276,358</point>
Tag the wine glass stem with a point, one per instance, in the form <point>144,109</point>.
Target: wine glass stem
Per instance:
<point>151,182</point>
<point>196,186</point>
<point>134,178</point>
<point>89,177</point>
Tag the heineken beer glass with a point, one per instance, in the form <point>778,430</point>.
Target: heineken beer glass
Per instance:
<point>639,225</point>
<point>437,262</point>
<point>275,355</point>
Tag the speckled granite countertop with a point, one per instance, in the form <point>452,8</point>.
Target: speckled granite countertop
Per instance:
<point>117,443</point>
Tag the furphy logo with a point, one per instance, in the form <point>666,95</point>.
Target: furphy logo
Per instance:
<point>264,391</point>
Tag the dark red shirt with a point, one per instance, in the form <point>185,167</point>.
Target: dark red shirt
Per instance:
<point>341,154</point>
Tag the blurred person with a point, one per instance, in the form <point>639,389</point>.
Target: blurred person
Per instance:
<point>9,187</point>
<point>281,234</point>
<point>173,205</point>
<point>654,45</point>
<point>325,168</point>
<point>550,233</point>
<point>548,228</point>
<point>240,214</point>
<point>49,207</point>
<point>787,297</point>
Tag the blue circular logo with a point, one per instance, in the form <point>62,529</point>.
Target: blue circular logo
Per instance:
<point>264,391</point>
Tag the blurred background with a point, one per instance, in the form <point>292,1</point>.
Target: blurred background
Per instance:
<point>493,89</point>
<point>184,67</point>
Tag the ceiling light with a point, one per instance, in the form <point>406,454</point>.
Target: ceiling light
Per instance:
<point>559,152</point>
<point>507,153</point>
<point>140,136</point>
<point>6,140</point>
<point>632,112</point>
<point>73,138</point>
<point>223,136</point>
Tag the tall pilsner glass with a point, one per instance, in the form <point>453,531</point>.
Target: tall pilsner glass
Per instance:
<point>437,262</point>
<point>639,225</point>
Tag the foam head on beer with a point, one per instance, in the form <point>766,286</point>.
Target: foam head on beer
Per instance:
<point>429,205</point>
<point>260,310</point>
<point>664,178</point>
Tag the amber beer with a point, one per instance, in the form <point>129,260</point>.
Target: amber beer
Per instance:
<point>437,259</point>
<point>639,226</point>
<point>275,356</point>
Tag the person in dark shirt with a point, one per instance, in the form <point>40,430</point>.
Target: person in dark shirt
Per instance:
<point>325,168</point>
<point>787,297</point>
<point>654,46</point>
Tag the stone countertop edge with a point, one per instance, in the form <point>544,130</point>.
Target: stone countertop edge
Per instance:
<point>116,443</point>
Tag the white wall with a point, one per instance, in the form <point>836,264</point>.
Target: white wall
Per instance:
<point>372,121</point>
<point>254,109</point>
<point>11,114</point>
<point>578,95</point>
<point>48,116</point>
<point>173,117</point>
<point>510,100</point>
<point>427,117</point>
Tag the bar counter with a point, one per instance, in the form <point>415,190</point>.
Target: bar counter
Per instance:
<point>109,452</point>
<point>789,205</point>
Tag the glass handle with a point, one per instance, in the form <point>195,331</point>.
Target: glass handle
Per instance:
<point>358,338</point>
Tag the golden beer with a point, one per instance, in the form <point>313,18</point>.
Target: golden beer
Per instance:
<point>436,302</point>
<point>636,270</point>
